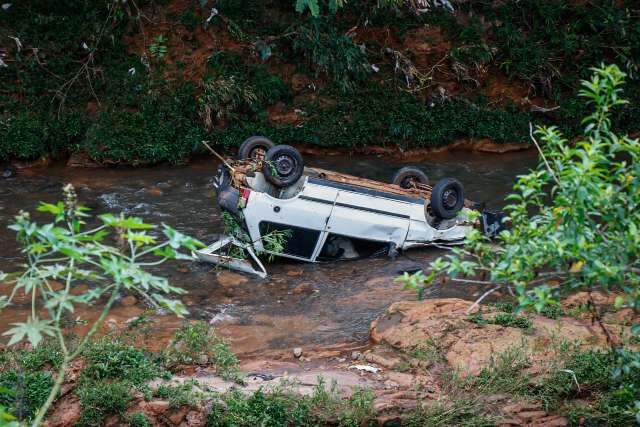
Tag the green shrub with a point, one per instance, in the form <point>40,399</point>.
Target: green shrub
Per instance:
<point>45,354</point>
<point>22,393</point>
<point>377,116</point>
<point>184,394</point>
<point>511,320</point>
<point>330,53</point>
<point>111,360</point>
<point>163,130</point>
<point>195,340</point>
<point>25,138</point>
<point>572,220</point>
<point>138,419</point>
<point>233,90</point>
<point>283,406</point>
<point>101,399</point>
<point>562,39</point>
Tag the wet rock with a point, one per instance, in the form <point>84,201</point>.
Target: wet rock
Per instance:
<point>27,164</point>
<point>8,172</point>
<point>154,191</point>
<point>295,273</point>
<point>302,288</point>
<point>81,159</point>
<point>297,352</point>
<point>129,301</point>
<point>229,279</point>
<point>486,145</point>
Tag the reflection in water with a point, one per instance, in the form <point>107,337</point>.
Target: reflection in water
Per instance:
<point>299,304</point>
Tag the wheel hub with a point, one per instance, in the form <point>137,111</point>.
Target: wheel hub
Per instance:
<point>449,198</point>
<point>284,165</point>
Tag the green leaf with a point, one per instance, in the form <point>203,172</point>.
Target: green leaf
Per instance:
<point>312,5</point>
<point>33,329</point>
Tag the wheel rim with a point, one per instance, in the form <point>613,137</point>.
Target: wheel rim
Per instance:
<point>449,199</point>
<point>285,165</point>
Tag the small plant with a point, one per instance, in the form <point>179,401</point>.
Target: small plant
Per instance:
<point>197,343</point>
<point>109,359</point>
<point>511,320</point>
<point>222,98</point>
<point>111,257</point>
<point>273,241</point>
<point>427,351</point>
<point>503,319</point>
<point>181,395</point>
<point>332,54</point>
<point>158,48</point>
<point>99,400</point>
<point>138,419</point>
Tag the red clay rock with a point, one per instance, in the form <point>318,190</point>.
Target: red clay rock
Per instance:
<point>65,414</point>
<point>176,416</point>
<point>469,347</point>
<point>551,421</point>
<point>155,407</point>
<point>302,288</point>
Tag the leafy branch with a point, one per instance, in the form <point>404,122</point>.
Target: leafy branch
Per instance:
<point>110,257</point>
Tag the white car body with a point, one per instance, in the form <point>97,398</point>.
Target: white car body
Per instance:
<point>317,211</point>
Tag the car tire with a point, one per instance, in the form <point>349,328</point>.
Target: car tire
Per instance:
<point>283,165</point>
<point>255,147</point>
<point>408,174</point>
<point>447,198</point>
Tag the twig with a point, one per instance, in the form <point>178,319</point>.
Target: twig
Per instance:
<point>612,340</point>
<point>544,158</point>
<point>483,296</point>
<point>218,156</point>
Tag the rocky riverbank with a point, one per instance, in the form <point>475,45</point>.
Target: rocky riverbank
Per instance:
<point>435,362</point>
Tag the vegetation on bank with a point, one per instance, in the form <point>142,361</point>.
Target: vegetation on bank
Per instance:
<point>115,375</point>
<point>573,225</point>
<point>113,382</point>
<point>144,82</point>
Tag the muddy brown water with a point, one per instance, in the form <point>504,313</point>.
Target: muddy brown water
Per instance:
<point>299,304</point>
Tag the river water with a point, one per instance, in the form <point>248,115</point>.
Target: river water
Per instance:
<point>298,304</point>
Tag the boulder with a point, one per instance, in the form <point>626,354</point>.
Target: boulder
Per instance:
<point>469,347</point>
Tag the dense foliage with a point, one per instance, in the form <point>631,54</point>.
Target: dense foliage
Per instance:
<point>573,222</point>
<point>139,82</point>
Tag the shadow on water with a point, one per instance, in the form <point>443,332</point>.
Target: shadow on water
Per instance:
<point>299,304</point>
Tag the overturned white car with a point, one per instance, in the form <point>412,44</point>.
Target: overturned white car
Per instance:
<point>328,215</point>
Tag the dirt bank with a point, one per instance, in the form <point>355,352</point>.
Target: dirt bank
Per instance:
<point>422,356</point>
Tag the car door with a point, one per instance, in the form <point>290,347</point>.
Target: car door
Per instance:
<point>370,217</point>
<point>304,217</point>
